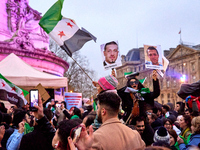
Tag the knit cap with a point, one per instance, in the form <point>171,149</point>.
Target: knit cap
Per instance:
<point>108,82</point>
<point>161,135</point>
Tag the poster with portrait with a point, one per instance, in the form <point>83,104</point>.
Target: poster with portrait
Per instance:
<point>111,55</point>
<point>153,57</point>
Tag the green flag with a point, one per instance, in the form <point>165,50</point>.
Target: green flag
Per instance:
<point>142,80</point>
<point>127,73</point>
<point>64,31</point>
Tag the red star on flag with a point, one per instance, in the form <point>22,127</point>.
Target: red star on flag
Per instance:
<point>72,21</point>
<point>69,24</point>
<point>22,94</point>
<point>3,84</point>
<point>61,34</point>
<point>13,88</point>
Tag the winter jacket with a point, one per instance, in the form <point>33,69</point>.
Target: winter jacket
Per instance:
<point>194,141</point>
<point>40,138</point>
<point>127,102</point>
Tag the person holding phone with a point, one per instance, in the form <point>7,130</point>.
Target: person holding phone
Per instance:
<point>65,129</point>
<point>34,95</point>
<point>43,132</point>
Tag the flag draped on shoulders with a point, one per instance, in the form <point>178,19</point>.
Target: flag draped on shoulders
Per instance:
<point>12,93</point>
<point>64,31</point>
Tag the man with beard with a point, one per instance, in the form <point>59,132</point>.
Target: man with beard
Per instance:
<point>110,52</point>
<point>153,55</point>
<point>144,129</point>
<point>104,84</point>
<point>112,134</point>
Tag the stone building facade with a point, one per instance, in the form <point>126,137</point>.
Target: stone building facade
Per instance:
<point>21,34</point>
<point>184,59</point>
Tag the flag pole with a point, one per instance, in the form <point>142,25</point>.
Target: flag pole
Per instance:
<point>82,69</point>
<point>180,37</point>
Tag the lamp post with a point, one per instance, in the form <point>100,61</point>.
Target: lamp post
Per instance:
<point>183,77</point>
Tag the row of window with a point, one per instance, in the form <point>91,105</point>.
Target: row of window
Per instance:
<point>168,98</point>
<point>181,68</point>
<point>174,82</point>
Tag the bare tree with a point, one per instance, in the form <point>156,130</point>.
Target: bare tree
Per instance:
<point>78,81</point>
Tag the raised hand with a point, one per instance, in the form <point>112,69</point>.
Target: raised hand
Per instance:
<point>21,127</point>
<point>85,141</point>
<point>154,75</point>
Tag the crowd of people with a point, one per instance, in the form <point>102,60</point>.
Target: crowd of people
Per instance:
<point>125,119</point>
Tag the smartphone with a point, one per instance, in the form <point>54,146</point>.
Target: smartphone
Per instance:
<point>34,96</point>
<point>77,134</point>
<point>58,105</point>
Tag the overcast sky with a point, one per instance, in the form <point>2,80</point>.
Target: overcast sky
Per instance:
<point>131,22</point>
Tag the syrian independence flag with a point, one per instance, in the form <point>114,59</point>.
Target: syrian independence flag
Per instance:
<point>142,80</point>
<point>64,31</point>
<point>12,93</point>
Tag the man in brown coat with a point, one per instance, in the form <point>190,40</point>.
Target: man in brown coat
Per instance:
<point>112,135</point>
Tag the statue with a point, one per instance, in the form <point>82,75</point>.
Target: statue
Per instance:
<point>23,23</point>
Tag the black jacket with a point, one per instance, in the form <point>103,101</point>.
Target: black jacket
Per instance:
<point>40,138</point>
<point>127,102</point>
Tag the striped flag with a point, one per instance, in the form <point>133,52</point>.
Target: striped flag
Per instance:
<point>142,80</point>
<point>12,93</point>
<point>64,31</point>
<point>127,73</point>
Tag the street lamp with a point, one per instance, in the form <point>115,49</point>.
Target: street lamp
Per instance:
<point>183,78</point>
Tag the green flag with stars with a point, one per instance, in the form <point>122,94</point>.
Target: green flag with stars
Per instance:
<point>10,92</point>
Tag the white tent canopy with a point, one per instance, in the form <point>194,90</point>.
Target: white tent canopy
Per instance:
<point>23,75</point>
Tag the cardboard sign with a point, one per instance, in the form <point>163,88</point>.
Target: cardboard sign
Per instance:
<point>73,100</point>
<point>43,93</point>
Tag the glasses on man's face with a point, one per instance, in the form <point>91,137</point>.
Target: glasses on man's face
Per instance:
<point>134,82</point>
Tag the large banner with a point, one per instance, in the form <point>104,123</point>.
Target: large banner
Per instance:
<point>73,100</point>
